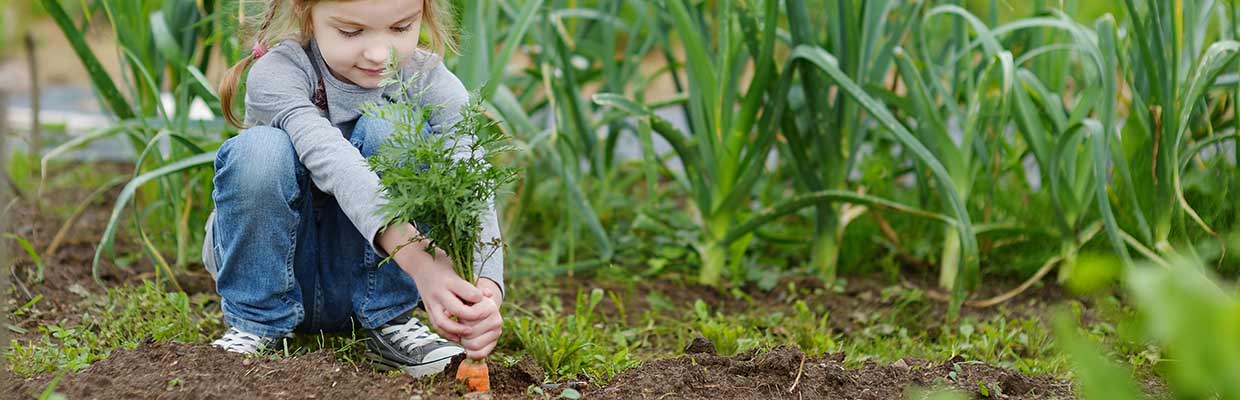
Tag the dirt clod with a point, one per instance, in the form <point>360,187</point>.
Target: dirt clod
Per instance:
<point>700,345</point>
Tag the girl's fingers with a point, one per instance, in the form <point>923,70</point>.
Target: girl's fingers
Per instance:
<point>452,328</point>
<point>476,355</point>
<point>486,351</point>
<point>433,312</point>
<point>475,312</point>
<point>447,334</point>
<point>481,311</point>
<point>480,346</point>
<point>454,304</point>
<point>442,319</point>
<point>466,292</point>
<point>489,327</point>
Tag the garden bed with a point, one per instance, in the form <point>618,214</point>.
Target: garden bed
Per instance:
<point>159,369</point>
<point>175,370</point>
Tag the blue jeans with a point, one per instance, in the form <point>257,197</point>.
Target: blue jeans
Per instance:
<point>285,257</point>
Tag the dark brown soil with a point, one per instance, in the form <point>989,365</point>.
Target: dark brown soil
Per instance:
<point>67,272</point>
<point>183,371</point>
<point>849,308</point>
<point>173,370</point>
<point>787,373</point>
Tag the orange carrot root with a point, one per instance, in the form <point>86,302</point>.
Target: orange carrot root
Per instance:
<point>475,375</point>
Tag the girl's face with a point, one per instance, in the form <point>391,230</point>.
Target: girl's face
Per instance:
<point>356,36</point>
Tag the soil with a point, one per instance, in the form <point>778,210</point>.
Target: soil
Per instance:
<point>849,309</point>
<point>197,371</point>
<point>176,370</point>
<point>785,372</point>
<point>67,273</point>
<point>184,371</point>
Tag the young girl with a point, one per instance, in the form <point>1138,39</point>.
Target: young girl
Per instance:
<point>296,239</point>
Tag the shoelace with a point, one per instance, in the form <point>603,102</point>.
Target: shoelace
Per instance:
<point>236,340</point>
<point>410,335</point>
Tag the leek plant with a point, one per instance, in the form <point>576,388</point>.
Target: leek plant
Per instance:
<point>1066,140</point>
<point>162,45</point>
<point>825,133</point>
<point>569,143</point>
<point>724,156</point>
<point>1178,110</point>
<point>959,108</point>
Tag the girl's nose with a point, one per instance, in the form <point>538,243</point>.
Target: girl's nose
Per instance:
<point>376,55</point>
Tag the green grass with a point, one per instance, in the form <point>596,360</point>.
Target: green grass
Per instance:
<point>558,340</point>
<point>571,345</point>
<point>122,318</point>
<point>126,316</point>
<point>581,343</point>
<point>347,347</point>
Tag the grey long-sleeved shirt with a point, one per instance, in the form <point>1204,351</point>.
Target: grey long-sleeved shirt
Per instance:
<point>278,95</point>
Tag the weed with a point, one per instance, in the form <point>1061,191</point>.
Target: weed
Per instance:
<point>29,306</point>
<point>32,253</point>
<point>809,331</point>
<point>346,347</point>
<point>729,338</point>
<point>567,347</point>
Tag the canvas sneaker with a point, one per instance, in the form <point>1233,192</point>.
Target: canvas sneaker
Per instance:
<point>239,341</point>
<point>406,344</point>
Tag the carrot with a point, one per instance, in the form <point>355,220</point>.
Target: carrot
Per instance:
<point>475,375</point>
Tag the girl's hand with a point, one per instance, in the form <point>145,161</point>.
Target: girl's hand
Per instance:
<point>491,289</point>
<point>446,295</point>
<point>487,328</point>
<point>443,292</point>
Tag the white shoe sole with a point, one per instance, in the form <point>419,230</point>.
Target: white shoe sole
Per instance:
<point>416,371</point>
<point>431,368</point>
<point>275,345</point>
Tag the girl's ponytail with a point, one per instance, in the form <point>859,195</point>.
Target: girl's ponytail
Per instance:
<point>228,88</point>
<point>230,82</point>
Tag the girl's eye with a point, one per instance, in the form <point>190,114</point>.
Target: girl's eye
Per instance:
<point>349,34</point>
<point>405,28</point>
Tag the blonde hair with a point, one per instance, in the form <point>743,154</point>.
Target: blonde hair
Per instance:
<point>290,19</point>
